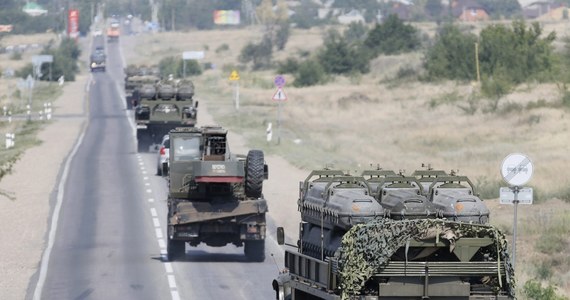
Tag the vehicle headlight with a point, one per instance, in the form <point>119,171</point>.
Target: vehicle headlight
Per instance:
<point>93,65</point>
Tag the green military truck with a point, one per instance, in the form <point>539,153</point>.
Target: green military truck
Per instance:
<point>162,107</point>
<point>215,197</point>
<point>382,235</point>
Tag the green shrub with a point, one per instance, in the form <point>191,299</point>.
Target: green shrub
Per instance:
<point>339,57</point>
<point>282,35</point>
<point>356,32</point>
<point>544,270</point>
<point>533,290</point>
<point>289,66</point>
<point>537,104</point>
<point>309,73</point>
<point>223,47</point>
<point>258,54</point>
<point>452,55</point>
<point>392,36</point>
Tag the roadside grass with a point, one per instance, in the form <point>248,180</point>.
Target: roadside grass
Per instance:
<point>25,131</point>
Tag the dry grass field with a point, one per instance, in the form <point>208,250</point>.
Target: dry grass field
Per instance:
<point>399,123</point>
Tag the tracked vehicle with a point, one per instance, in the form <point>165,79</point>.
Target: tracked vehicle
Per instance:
<point>162,107</point>
<point>215,197</point>
<point>383,235</point>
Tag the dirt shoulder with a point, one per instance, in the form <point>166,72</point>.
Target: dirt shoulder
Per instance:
<point>24,221</point>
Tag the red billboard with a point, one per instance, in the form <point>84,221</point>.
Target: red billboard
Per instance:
<point>73,23</point>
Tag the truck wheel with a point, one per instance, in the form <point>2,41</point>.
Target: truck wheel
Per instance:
<point>254,165</point>
<point>175,250</point>
<point>255,250</point>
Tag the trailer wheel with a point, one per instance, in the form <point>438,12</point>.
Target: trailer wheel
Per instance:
<point>255,250</point>
<point>254,176</point>
<point>175,250</point>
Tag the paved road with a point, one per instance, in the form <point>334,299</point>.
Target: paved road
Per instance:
<point>110,239</point>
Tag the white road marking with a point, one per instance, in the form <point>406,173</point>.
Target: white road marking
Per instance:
<point>168,267</point>
<point>56,211</point>
<point>149,191</point>
<point>147,184</point>
<point>171,281</point>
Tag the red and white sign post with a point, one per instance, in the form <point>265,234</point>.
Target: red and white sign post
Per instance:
<point>73,23</point>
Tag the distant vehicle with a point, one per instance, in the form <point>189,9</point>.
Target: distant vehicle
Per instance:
<point>98,60</point>
<point>163,155</point>
<point>98,32</point>
<point>113,33</point>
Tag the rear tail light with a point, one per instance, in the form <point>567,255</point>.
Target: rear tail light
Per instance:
<point>162,150</point>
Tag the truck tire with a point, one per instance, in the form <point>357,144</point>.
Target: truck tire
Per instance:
<point>254,165</point>
<point>175,250</point>
<point>255,250</point>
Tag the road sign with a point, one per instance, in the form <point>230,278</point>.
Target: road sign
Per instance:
<point>186,55</point>
<point>516,169</point>
<point>279,81</point>
<point>234,76</point>
<point>279,95</point>
<point>507,195</point>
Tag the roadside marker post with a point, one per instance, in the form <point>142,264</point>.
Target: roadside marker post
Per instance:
<point>279,96</point>
<point>234,76</point>
<point>516,170</point>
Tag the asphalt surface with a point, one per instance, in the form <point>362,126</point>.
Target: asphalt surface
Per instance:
<point>110,237</point>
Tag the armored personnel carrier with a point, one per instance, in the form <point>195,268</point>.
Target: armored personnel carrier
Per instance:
<point>215,197</point>
<point>162,107</point>
<point>383,235</point>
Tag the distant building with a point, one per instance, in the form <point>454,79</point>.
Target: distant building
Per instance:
<point>353,16</point>
<point>33,9</point>
<point>468,11</point>
<point>543,10</point>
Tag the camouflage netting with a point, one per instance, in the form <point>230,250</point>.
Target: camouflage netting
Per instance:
<point>367,248</point>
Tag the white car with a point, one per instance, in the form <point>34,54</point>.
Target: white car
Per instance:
<point>98,32</point>
<point>163,154</point>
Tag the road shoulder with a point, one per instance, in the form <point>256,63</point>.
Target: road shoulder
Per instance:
<point>24,221</point>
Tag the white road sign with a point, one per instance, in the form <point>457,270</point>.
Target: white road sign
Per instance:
<point>186,55</point>
<point>507,196</point>
<point>516,169</point>
<point>279,95</point>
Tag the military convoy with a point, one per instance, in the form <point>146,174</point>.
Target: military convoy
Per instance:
<point>383,235</point>
<point>215,197</point>
<point>377,235</point>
